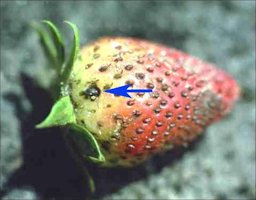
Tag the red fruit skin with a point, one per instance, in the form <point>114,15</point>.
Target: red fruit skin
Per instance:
<point>188,95</point>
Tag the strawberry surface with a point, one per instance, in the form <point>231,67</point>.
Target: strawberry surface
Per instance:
<point>188,95</point>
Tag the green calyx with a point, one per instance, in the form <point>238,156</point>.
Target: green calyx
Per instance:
<point>62,113</point>
<point>54,50</point>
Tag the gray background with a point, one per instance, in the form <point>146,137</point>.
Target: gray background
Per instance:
<point>221,164</point>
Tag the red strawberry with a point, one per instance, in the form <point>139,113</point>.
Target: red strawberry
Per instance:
<point>188,95</point>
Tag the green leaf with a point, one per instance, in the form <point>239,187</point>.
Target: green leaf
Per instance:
<point>61,114</point>
<point>73,54</point>
<point>46,42</point>
<point>58,42</point>
<point>72,144</point>
<point>85,144</point>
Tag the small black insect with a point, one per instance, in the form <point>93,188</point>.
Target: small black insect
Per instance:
<point>91,92</point>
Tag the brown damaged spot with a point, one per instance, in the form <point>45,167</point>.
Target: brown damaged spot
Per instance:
<point>167,73</point>
<point>171,94</point>
<point>107,86</point>
<point>180,116</point>
<point>118,76</point>
<point>87,66</point>
<point>117,117</point>
<point>163,102</point>
<point>96,56</point>
<point>140,94</point>
<point>154,132</point>
<point>177,105</point>
<point>164,87</point>
<point>136,113</point>
<point>140,61</point>
<point>159,124</point>
<point>155,95</point>
<point>139,130</point>
<point>128,67</point>
<point>140,76</point>
<point>104,68</point>
<point>159,79</point>
<point>150,69</point>
<point>118,58</point>
<point>100,124</point>
<point>130,82</point>
<point>168,114</point>
<point>96,48</point>
<point>151,139</point>
<point>129,148</point>
<point>130,102</point>
<point>150,85</point>
<point>147,120</point>
<point>184,93</point>
<point>157,110</point>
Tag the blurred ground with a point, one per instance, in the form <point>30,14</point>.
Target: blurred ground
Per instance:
<point>37,164</point>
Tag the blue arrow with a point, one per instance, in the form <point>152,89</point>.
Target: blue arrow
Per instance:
<point>123,90</point>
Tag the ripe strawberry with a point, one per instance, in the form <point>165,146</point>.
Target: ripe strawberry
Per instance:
<point>188,95</point>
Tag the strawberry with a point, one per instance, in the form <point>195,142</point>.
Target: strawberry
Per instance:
<point>188,95</point>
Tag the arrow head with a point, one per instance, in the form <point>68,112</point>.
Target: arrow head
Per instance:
<point>120,91</point>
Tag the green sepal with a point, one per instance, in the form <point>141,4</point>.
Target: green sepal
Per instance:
<point>54,49</point>
<point>58,43</point>
<point>73,54</point>
<point>61,114</point>
<point>85,143</point>
<point>47,43</point>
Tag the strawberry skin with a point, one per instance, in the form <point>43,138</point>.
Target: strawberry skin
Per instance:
<point>188,95</point>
